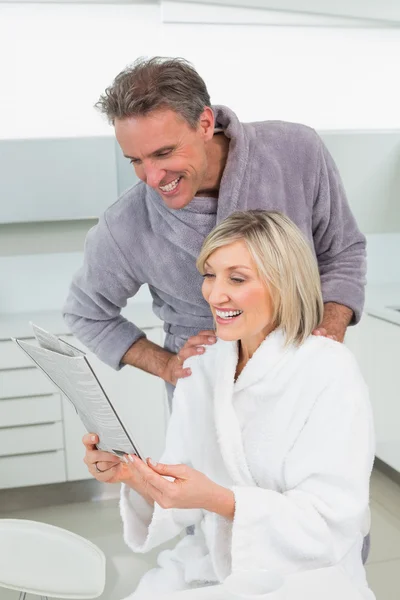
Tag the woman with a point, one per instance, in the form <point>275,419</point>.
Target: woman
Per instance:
<point>270,444</point>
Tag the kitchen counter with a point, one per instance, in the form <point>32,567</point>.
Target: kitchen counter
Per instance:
<point>379,300</point>
<point>18,324</point>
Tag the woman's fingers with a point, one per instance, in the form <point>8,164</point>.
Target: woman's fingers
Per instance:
<point>90,440</point>
<point>151,477</point>
<point>94,456</point>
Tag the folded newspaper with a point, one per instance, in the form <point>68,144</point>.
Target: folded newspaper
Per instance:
<point>69,370</point>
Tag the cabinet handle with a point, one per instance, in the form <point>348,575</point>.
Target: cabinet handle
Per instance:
<point>32,453</point>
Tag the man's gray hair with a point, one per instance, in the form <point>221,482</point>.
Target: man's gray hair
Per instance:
<point>156,83</point>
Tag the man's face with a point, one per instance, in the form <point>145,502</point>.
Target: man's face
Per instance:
<point>166,153</point>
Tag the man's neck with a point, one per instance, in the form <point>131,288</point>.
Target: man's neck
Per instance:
<point>217,155</point>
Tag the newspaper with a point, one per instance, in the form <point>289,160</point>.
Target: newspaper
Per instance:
<point>69,370</point>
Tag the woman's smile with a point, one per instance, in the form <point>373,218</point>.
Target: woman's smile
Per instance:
<point>227,316</point>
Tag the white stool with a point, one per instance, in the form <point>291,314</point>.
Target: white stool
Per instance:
<point>36,558</point>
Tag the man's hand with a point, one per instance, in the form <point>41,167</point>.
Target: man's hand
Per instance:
<point>174,369</point>
<point>335,322</point>
<point>153,359</point>
<point>188,489</point>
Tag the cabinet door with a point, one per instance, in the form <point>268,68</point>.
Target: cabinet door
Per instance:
<point>139,399</point>
<point>376,345</point>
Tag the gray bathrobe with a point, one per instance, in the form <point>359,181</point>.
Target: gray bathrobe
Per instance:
<point>271,165</point>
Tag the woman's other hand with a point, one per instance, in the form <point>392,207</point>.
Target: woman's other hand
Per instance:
<point>185,488</point>
<point>194,346</point>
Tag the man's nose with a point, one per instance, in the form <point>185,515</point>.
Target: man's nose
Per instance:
<point>153,175</point>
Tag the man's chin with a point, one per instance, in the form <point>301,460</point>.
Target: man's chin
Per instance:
<point>176,202</point>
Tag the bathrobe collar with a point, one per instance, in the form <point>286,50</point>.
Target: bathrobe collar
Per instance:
<point>231,186</point>
<point>237,161</point>
<point>264,361</point>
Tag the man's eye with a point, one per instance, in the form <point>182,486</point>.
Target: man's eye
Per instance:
<point>134,161</point>
<point>163,154</point>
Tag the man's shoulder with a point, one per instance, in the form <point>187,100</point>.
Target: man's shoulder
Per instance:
<point>128,207</point>
<point>283,137</point>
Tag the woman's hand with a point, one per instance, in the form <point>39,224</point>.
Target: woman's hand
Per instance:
<point>110,465</point>
<point>195,345</point>
<point>188,489</point>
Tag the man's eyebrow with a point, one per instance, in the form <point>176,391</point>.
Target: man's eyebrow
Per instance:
<point>156,152</point>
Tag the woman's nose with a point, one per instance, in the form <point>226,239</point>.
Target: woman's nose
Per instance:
<point>218,295</point>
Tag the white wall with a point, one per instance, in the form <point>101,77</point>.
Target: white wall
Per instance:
<point>364,9</point>
<point>57,59</point>
<point>327,78</point>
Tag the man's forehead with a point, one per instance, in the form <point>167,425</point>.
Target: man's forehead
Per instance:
<point>157,119</point>
<point>147,135</point>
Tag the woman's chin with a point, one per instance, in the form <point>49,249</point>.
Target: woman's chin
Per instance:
<point>224,334</point>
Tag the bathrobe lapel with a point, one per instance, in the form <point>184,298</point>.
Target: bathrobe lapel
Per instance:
<point>226,422</point>
<point>267,357</point>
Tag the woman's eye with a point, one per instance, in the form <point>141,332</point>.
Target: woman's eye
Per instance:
<point>207,275</point>
<point>237,280</point>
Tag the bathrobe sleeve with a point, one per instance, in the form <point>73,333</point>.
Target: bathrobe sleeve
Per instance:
<point>323,506</point>
<point>338,242</point>
<point>146,527</point>
<point>98,292</point>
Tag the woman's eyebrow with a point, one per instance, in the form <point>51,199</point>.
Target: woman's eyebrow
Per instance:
<point>239,267</point>
<point>206,264</point>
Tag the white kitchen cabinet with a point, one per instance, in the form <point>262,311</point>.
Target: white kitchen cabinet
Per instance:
<point>40,433</point>
<point>31,439</point>
<point>138,398</point>
<point>16,383</point>
<point>32,469</point>
<point>376,345</point>
<point>30,411</point>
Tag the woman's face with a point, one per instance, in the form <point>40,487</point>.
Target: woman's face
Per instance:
<point>240,301</point>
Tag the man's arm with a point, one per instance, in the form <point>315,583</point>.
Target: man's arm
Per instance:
<point>92,311</point>
<point>340,249</point>
<point>335,321</point>
<point>150,357</point>
<point>98,292</point>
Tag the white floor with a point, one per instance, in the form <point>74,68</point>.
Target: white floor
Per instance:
<point>100,523</point>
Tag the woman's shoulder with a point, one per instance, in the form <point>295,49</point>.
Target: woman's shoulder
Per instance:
<point>203,368</point>
<point>208,361</point>
<point>329,358</point>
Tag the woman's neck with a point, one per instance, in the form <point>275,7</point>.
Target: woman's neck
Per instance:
<point>248,346</point>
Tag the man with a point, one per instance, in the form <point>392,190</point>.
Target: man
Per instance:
<point>198,164</point>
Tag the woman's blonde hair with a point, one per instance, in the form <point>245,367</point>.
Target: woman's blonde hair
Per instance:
<point>285,262</point>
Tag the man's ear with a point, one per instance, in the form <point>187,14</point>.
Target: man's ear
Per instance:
<point>207,123</point>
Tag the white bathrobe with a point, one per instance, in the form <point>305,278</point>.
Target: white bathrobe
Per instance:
<point>292,438</point>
